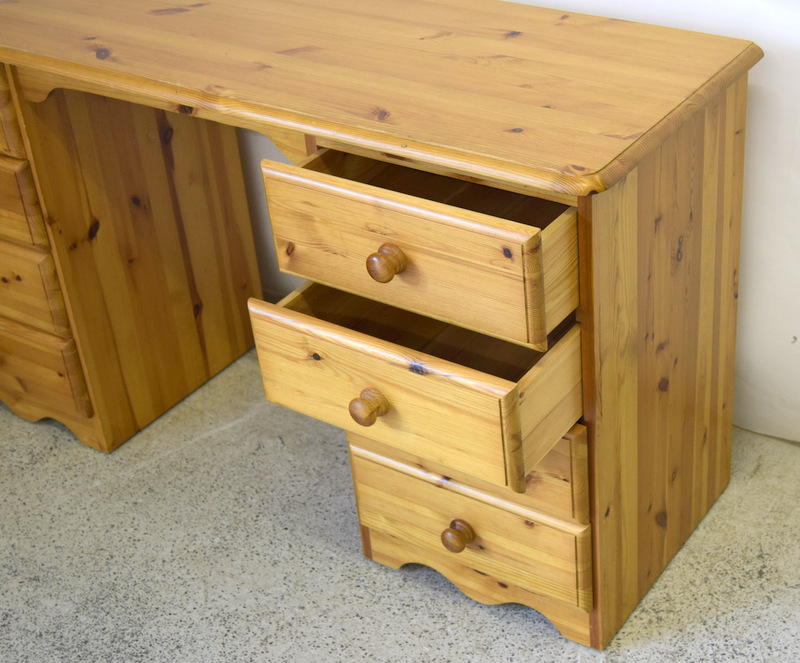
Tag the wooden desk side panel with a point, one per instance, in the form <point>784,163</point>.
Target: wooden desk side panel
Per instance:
<point>151,233</point>
<point>659,264</point>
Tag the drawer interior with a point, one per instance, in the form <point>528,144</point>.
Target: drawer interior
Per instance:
<point>517,207</point>
<point>471,349</point>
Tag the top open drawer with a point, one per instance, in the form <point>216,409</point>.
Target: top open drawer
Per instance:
<point>494,261</point>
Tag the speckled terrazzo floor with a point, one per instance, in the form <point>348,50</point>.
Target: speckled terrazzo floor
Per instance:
<point>226,531</point>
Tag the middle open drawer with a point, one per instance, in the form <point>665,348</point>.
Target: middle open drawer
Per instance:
<point>480,405</point>
<point>498,262</point>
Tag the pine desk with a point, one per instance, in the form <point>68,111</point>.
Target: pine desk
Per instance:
<point>564,191</point>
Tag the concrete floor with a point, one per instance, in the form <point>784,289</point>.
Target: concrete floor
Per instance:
<point>227,531</point>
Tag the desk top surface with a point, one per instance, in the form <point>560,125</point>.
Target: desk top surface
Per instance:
<point>561,101</point>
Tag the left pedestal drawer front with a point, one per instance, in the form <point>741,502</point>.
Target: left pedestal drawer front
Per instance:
<point>486,407</point>
<point>20,216</point>
<point>29,289</point>
<point>40,373</point>
<point>467,534</point>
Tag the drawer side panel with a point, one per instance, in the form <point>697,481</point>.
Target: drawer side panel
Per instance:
<point>560,268</point>
<point>550,398</point>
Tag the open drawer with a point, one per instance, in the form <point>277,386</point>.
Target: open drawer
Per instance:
<point>480,405</point>
<point>498,262</point>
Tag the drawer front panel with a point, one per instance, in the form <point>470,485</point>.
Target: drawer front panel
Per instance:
<point>39,370</point>
<point>463,415</point>
<point>470,268</point>
<point>20,216</point>
<point>516,546</point>
<point>29,289</point>
<point>10,138</point>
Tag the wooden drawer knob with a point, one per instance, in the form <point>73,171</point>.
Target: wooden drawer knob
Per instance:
<point>370,405</point>
<point>456,537</point>
<point>388,261</point>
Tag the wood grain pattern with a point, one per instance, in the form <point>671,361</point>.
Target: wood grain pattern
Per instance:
<point>474,255</point>
<point>660,285</point>
<point>29,289</point>
<point>560,272</point>
<point>518,547</point>
<point>553,115</point>
<point>20,216</point>
<point>453,394</point>
<point>151,235</point>
<point>10,136</point>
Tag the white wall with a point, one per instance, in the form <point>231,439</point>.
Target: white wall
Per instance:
<point>768,343</point>
<point>768,349</point>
